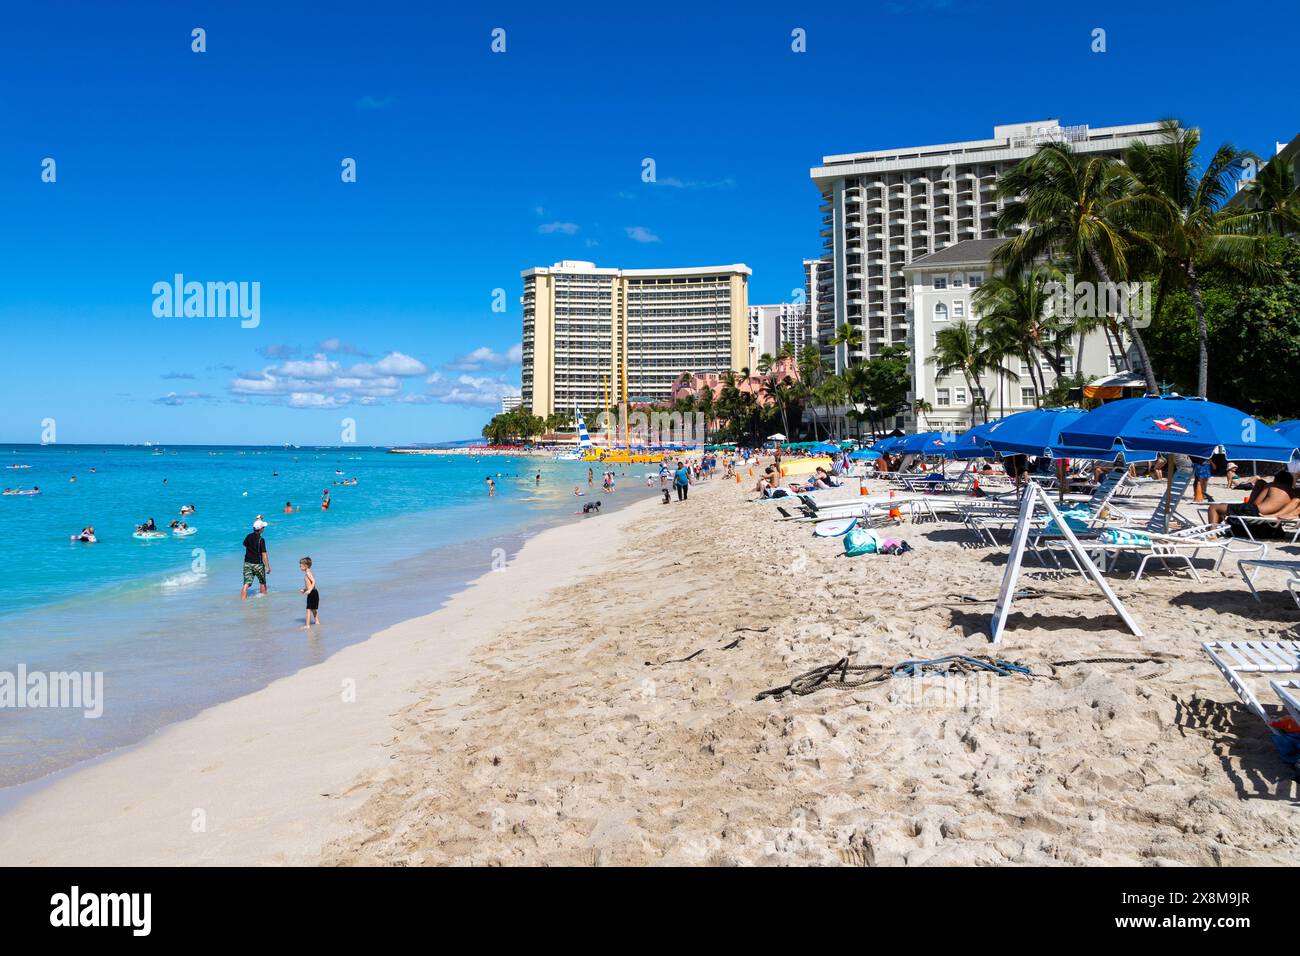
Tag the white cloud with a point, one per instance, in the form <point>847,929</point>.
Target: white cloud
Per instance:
<point>172,398</point>
<point>568,228</point>
<point>321,382</point>
<point>484,357</point>
<point>641,234</point>
<point>336,345</point>
<point>676,183</point>
<point>317,400</point>
<point>472,390</point>
<point>394,363</point>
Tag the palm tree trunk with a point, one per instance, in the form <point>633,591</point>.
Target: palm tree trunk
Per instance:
<point>1203,363</point>
<point>1147,370</point>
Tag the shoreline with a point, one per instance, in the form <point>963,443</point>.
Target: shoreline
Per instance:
<point>183,795</point>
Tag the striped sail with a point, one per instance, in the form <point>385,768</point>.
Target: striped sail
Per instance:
<point>584,440</point>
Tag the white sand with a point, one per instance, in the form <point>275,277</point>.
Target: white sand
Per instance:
<point>523,724</point>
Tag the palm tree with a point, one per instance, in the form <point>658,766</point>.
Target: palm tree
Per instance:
<point>1179,212</point>
<point>998,348</point>
<point>812,370</point>
<point>921,407</point>
<point>1068,205</point>
<point>958,349</point>
<point>1016,319</point>
<point>1274,198</point>
<point>849,336</point>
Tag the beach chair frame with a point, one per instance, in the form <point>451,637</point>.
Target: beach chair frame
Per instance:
<point>1234,658</point>
<point>1249,567</point>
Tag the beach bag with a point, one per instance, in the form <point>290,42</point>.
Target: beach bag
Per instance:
<point>1120,536</point>
<point>861,541</point>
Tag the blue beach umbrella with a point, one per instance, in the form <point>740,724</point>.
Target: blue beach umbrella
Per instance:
<point>825,448</point>
<point>1289,430</point>
<point>1031,432</point>
<point>972,444</point>
<point>1177,425</point>
<point>1098,454</point>
<point>922,443</point>
<point>888,446</point>
<point>863,454</point>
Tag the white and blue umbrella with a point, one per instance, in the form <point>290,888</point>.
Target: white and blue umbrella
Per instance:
<point>1176,425</point>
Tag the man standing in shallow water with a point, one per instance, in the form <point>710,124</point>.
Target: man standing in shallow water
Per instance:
<point>256,565</point>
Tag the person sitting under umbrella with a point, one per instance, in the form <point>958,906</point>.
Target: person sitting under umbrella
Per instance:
<point>1266,499</point>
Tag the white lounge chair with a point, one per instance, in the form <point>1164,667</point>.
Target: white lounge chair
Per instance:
<point>1252,566</point>
<point>1181,547</point>
<point>1288,691</point>
<point>983,516</point>
<point>1286,526</point>
<point>1234,658</point>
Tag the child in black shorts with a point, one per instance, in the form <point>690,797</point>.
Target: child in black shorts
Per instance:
<point>309,588</point>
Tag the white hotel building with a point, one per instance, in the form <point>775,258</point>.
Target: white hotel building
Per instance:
<point>772,326</point>
<point>587,330</point>
<point>940,289</point>
<point>884,209</point>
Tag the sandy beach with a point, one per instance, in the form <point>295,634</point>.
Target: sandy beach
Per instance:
<point>593,704</point>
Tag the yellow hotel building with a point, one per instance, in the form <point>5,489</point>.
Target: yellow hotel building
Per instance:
<point>585,327</point>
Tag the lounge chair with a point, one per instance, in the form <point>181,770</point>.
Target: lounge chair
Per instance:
<point>1252,566</point>
<point>1288,691</point>
<point>1285,526</point>
<point>1234,658</point>
<point>982,517</point>
<point>1152,542</point>
<point>813,510</point>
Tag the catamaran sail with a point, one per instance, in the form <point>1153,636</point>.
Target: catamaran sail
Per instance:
<point>584,440</point>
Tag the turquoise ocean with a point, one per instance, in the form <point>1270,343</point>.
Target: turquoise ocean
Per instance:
<point>162,620</point>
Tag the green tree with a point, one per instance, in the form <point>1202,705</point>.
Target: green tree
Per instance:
<point>1015,317</point>
<point>1175,205</point>
<point>1059,204</point>
<point>1274,197</point>
<point>1254,335</point>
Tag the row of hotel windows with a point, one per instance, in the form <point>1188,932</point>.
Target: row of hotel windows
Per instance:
<point>956,280</point>
<point>943,398</point>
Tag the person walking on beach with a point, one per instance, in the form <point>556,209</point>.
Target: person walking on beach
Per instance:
<point>309,589</point>
<point>256,565</point>
<point>683,481</point>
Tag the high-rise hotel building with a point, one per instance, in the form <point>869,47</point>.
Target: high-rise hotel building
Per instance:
<point>885,208</point>
<point>587,330</point>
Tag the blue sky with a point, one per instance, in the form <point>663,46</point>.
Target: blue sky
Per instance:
<point>376,295</point>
